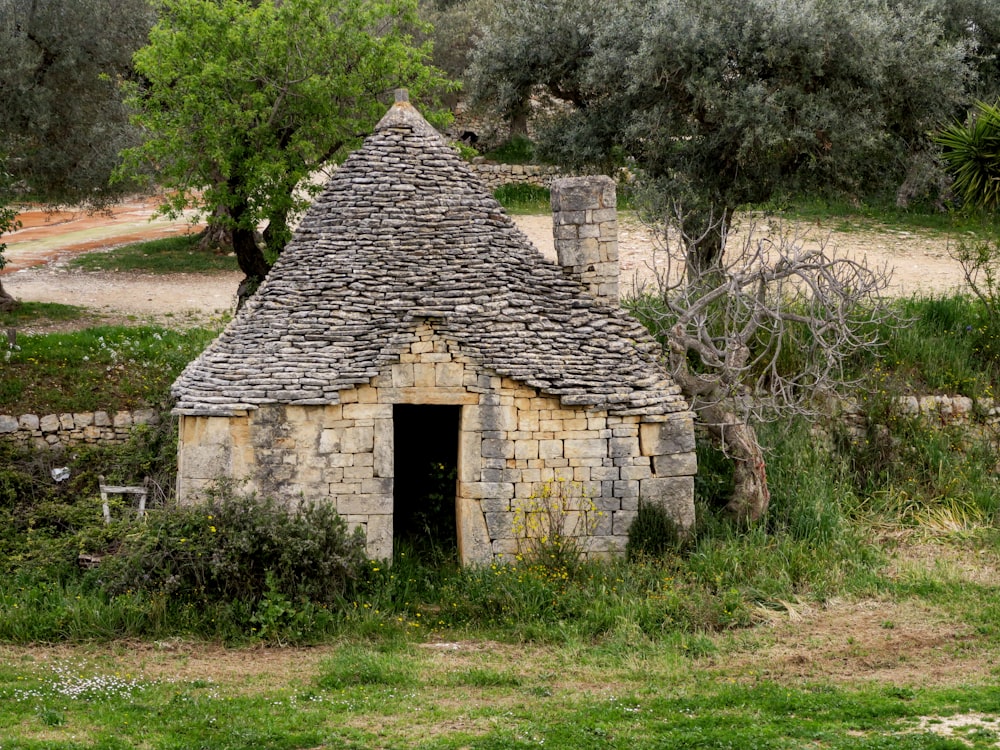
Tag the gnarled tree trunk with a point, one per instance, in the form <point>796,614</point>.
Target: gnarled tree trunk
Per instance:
<point>738,440</point>
<point>7,302</point>
<point>216,238</point>
<point>251,261</point>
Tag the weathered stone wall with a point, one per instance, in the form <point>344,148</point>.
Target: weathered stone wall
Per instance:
<point>494,175</point>
<point>585,233</point>
<point>513,441</point>
<point>65,430</point>
<point>979,415</point>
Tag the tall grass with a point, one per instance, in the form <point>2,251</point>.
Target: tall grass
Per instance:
<point>102,368</point>
<point>942,344</point>
<point>517,150</point>
<point>524,199</point>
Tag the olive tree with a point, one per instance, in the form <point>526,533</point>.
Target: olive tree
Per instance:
<point>8,223</point>
<point>977,22</point>
<point>718,105</point>
<point>523,45</point>
<point>723,104</point>
<point>241,102</point>
<point>62,122</point>
<point>454,28</point>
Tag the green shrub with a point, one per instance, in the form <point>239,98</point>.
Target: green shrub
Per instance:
<point>520,198</point>
<point>653,533</point>
<point>518,150</point>
<point>238,548</point>
<point>45,525</point>
<point>467,152</point>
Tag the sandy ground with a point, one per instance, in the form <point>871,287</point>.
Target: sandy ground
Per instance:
<point>37,271</point>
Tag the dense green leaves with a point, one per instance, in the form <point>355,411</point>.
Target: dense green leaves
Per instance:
<point>243,101</point>
<point>972,150</point>
<point>977,22</point>
<point>529,43</point>
<point>62,122</point>
<point>722,104</point>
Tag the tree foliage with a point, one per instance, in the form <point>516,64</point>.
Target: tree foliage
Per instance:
<point>722,104</point>
<point>8,223</point>
<point>976,22</point>
<point>243,101</point>
<point>718,105</point>
<point>454,28</point>
<point>972,152</point>
<point>524,45</point>
<point>62,122</point>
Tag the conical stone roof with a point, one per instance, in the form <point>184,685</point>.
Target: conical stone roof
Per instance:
<point>405,233</point>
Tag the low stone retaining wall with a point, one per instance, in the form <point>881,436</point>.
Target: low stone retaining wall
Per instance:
<point>941,409</point>
<point>65,430</point>
<point>495,175</point>
<point>935,410</point>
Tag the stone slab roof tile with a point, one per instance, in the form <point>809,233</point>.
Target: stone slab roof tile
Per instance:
<point>404,233</point>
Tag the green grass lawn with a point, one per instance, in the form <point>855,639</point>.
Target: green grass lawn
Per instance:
<point>169,255</point>
<point>465,693</point>
<point>876,216</point>
<point>40,313</point>
<point>106,367</point>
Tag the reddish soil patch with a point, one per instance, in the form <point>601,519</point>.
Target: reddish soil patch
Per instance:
<point>49,234</point>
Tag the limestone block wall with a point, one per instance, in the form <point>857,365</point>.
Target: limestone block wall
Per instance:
<point>494,175</point>
<point>512,442</point>
<point>68,429</point>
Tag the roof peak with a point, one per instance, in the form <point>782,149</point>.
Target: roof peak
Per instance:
<point>402,114</point>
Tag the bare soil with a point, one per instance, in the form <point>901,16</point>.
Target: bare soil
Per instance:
<point>920,262</point>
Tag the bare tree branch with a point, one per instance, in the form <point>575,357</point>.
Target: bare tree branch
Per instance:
<point>757,335</point>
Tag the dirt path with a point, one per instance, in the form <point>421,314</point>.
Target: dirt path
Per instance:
<point>37,270</point>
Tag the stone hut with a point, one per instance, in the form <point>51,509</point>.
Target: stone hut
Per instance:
<point>410,321</point>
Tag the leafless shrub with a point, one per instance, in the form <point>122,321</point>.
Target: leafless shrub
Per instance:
<point>760,334</point>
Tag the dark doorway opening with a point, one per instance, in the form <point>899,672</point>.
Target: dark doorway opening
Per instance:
<point>425,440</point>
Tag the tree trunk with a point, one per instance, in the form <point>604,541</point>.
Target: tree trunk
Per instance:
<point>277,232</point>
<point>251,261</point>
<point>7,302</point>
<point>705,234</point>
<point>519,121</point>
<point>738,440</point>
<point>249,255</point>
<point>216,238</point>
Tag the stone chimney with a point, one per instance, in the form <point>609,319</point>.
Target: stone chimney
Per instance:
<point>585,230</point>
